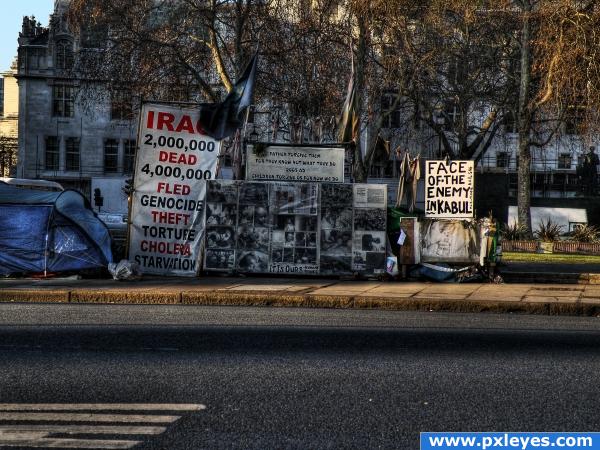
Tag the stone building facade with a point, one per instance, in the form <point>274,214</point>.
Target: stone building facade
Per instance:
<point>62,138</point>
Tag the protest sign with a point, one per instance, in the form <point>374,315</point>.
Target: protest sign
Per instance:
<point>288,163</point>
<point>449,189</point>
<point>174,159</point>
<point>295,228</point>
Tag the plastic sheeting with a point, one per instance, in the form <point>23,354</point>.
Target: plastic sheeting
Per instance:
<point>49,231</point>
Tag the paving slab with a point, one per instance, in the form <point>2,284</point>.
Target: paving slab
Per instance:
<point>533,298</point>
<point>550,299</point>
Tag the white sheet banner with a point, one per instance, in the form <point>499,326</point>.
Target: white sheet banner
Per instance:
<point>174,160</point>
<point>449,189</point>
<point>282,163</point>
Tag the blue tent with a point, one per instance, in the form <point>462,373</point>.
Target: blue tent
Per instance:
<point>49,231</point>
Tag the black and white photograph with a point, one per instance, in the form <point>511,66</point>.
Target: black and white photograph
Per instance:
<point>220,214</point>
<point>288,255</point>
<point>449,240</point>
<point>336,242</point>
<point>311,240</point>
<point>336,218</point>
<point>337,195</point>
<point>253,261</point>
<point>278,236</point>
<point>220,259</point>
<point>306,223</point>
<point>305,256</point>
<point>222,191</point>
<point>220,237</point>
<point>257,216</point>
<point>276,253</point>
<point>369,241</point>
<point>254,194</point>
<point>300,240</point>
<point>284,223</point>
<point>251,238</point>
<point>335,264</point>
<point>309,196</point>
<point>289,239</point>
<point>359,261</point>
<point>294,198</point>
<point>370,219</point>
<point>370,196</point>
<point>284,198</point>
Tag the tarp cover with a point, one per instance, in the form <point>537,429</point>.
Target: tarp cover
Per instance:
<point>49,231</point>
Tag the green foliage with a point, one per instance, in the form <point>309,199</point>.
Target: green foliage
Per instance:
<point>585,233</point>
<point>548,231</point>
<point>513,232</point>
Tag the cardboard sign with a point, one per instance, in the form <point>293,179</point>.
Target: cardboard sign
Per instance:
<point>173,162</point>
<point>449,189</point>
<point>282,163</point>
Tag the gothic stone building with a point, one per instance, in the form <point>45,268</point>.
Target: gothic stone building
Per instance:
<point>61,138</point>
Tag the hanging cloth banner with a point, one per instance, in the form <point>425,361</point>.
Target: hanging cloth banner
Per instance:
<point>174,159</point>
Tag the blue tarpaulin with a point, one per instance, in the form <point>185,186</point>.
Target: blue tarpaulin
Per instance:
<point>49,231</point>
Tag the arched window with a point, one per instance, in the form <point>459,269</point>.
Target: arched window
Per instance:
<point>64,54</point>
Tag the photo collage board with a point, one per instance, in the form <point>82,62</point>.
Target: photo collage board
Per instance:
<point>295,228</point>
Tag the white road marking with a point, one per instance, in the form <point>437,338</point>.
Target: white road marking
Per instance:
<point>20,435</point>
<point>32,434</point>
<point>71,443</point>
<point>101,406</point>
<point>83,417</point>
<point>83,429</point>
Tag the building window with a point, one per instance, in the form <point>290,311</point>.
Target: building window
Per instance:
<point>121,107</point>
<point>129,154</point>
<point>52,153</point>
<point>64,55</point>
<point>62,100</point>
<point>72,156</point>
<point>35,57</point>
<point>111,155</point>
<point>502,159</point>
<point>564,161</point>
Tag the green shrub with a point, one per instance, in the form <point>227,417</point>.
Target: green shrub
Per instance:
<point>548,231</point>
<point>585,233</point>
<point>512,232</point>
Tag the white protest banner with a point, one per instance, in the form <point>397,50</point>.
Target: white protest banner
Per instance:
<point>173,162</point>
<point>449,189</point>
<point>283,163</point>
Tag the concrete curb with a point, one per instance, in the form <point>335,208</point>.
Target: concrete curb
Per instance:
<point>547,306</point>
<point>551,278</point>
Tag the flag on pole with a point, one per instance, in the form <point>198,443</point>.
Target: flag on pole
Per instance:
<point>223,119</point>
<point>348,124</point>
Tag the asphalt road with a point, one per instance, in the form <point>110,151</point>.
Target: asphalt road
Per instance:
<point>273,378</point>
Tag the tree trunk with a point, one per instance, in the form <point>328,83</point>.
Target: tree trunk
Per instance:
<point>523,183</point>
<point>358,170</point>
<point>525,118</point>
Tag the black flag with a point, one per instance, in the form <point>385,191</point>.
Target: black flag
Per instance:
<point>223,119</point>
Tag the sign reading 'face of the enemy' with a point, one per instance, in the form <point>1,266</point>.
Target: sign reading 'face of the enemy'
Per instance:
<point>174,160</point>
<point>449,189</point>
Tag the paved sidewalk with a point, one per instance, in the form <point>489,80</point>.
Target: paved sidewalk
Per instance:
<point>554,299</point>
